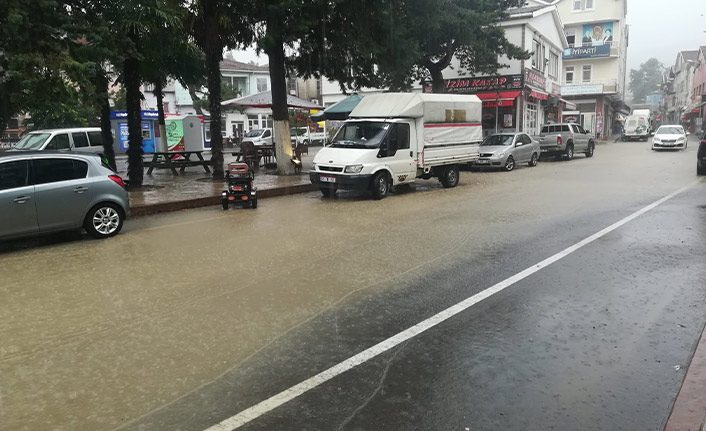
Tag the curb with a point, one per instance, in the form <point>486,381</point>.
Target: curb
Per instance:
<point>689,408</point>
<point>143,210</point>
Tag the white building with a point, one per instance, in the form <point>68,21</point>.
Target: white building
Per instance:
<point>525,94</point>
<point>595,63</point>
<point>247,78</point>
<point>528,93</point>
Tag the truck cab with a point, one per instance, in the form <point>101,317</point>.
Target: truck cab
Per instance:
<point>363,149</point>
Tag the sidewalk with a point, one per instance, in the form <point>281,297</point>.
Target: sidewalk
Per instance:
<point>163,192</point>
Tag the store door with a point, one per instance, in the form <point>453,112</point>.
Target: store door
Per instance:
<point>588,122</point>
<point>531,119</point>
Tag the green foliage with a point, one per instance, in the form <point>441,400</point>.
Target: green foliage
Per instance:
<point>119,99</point>
<point>646,79</point>
<point>228,91</point>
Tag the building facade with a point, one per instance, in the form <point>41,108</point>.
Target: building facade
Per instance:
<point>678,91</point>
<point>247,79</point>
<point>528,93</point>
<point>595,63</point>
<point>696,111</point>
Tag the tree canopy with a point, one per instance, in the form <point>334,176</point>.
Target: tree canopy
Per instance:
<point>646,79</point>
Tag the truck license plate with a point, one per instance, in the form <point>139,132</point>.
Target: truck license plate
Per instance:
<point>328,179</point>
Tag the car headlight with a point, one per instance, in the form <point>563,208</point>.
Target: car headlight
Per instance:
<point>682,139</point>
<point>656,140</point>
<point>354,169</point>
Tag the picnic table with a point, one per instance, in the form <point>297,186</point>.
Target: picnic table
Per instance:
<point>176,159</point>
<point>266,152</point>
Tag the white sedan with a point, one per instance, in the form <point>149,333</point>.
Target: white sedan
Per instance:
<point>669,138</point>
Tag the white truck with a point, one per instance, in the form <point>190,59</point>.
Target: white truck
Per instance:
<point>303,135</point>
<point>637,126</point>
<point>392,139</point>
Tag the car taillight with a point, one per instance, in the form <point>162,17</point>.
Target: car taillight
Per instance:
<point>119,181</point>
<point>558,140</point>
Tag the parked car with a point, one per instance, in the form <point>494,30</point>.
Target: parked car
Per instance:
<point>259,137</point>
<point>506,150</point>
<point>563,141</point>
<point>49,191</point>
<point>80,139</point>
<point>701,157</point>
<point>669,138</point>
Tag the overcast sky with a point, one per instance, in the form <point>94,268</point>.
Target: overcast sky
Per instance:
<point>658,28</point>
<point>662,28</point>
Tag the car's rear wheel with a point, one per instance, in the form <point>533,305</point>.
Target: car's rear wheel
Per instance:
<point>700,170</point>
<point>533,161</point>
<point>104,220</point>
<point>569,152</point>
<point>449,178</point>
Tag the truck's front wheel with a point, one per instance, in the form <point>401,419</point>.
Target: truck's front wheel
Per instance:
<point>449,178</point>
<point>380,186</point>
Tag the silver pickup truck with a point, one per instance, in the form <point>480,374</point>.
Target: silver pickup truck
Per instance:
<point>564,140</point>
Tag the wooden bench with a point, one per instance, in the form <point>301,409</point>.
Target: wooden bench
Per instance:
<point>171,160</point>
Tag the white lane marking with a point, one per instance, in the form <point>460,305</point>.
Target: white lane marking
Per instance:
<point>275,401</point>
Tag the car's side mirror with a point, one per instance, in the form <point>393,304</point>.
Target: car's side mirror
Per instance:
<point>519,143</point>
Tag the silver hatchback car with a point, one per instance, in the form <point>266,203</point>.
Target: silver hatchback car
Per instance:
<point>42,192</point>
<point>506,150</point>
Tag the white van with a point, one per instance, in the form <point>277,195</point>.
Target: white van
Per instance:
<point>636,127</point>
<point>396,138</point>
<point>80,139</point>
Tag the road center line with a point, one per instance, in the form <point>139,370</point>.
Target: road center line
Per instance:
<point>263,407</point>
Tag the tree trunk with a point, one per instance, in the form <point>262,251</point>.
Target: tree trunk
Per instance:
<point>213,72</point>
<point>106,133</point>
<point>135,171</point>
<point>194,98</point>
<point>437,80</point>
<point>280,110</point>
<point>158,91</point>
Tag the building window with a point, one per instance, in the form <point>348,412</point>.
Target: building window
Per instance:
<point>538,56</point>
<point>589,4</point>
<point>292,85</point>
<point>553,64</point>
<point>587,72</point>
<point>261,85</point>
<point>571,37</point>
<point>577,4</point>
<point>569,74</point>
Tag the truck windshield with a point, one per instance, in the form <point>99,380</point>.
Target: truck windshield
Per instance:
<point>33,141</point>
<point>493,140</point>
<point>360,134</point>
<point>254,133</point>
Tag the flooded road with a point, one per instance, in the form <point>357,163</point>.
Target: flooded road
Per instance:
<point>187,319</point>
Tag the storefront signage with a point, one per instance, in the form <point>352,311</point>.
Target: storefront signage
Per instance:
<point>577,90</point>
<point>587,52</point>
<point>480,84</point>
<point>145,115</point>
<point>535,79</point>
<point>556,89</point>
<point>497,103</point>
<point>539,95</point>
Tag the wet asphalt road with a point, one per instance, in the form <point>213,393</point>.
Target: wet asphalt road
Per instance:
<point>223,310</point>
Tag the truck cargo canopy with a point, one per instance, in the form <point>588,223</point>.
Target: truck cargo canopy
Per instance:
<point>448,119</point>
<point>434,108</point>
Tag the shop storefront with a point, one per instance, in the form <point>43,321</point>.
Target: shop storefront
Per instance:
<point>511,103</point>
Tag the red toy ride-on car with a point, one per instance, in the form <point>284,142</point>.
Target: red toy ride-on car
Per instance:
<point>240,189</point>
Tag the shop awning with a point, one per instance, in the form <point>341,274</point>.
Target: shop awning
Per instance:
<point>539,95</point>
<point>568,105</point>
<point>502,95</point>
